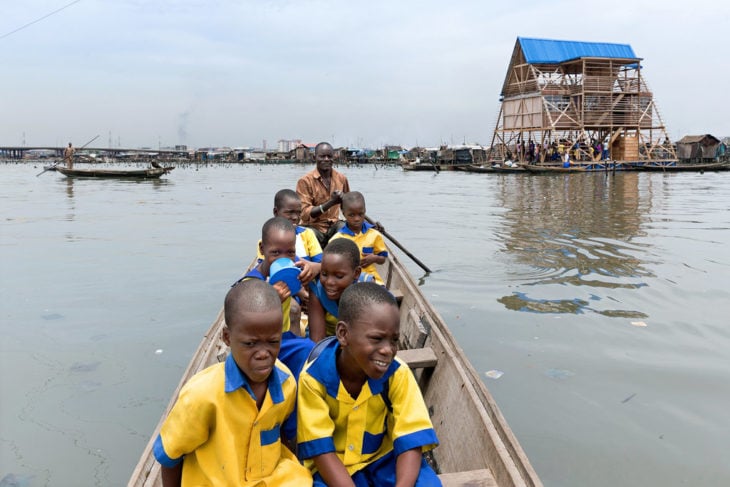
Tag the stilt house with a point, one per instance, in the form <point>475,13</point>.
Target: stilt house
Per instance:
<point>576,95</point>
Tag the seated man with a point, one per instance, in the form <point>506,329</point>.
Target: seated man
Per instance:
<point>321,192</point>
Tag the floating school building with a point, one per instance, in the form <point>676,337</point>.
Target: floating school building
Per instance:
<point>577,95</point>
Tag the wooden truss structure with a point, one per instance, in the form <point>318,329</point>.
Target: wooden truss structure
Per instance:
<point>576,105</point>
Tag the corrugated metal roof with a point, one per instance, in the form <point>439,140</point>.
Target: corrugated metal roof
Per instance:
<point>549,51</point>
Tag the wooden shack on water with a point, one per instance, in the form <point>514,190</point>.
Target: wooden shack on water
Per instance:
<point>698,147</point>
<point>578,94</point>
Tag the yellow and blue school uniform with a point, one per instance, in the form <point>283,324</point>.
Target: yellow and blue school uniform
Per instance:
<point>369,241</point>
<point>367,433</point>
<point>221,436</point>
<point>330,306</point>
<point>308,247</point>
<point>293,351</point>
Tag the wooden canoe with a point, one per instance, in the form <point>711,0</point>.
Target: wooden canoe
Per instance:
<point>493,169</point>
<point>711,166</point>
<point>554,169</point>
<point>148,173</point>
<point>477,446</point>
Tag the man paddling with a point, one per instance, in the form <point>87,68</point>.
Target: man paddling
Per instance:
<point>321,192</point>
<point>68,156</point>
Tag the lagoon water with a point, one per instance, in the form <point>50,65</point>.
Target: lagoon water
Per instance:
<point>595,306</point>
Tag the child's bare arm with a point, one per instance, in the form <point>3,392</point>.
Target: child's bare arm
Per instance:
<point>333,471</point>
<point>172,476</point>
<point>317,326</point>
<point>368,259</point>
<point>407,466</point>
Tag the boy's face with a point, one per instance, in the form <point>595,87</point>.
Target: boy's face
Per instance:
<point>255,338</point>
<point>278,244</point>
<point>354,214</point>
<point>336,273</point>
<point>291,209</point>
<point>370,342</point>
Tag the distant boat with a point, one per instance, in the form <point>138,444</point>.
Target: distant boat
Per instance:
<point>556,169</point>
<point>149,173</point>
<point>493,169</point>
<point>710,166</point>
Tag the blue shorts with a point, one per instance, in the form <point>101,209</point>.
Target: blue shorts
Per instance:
<point>382,473</point>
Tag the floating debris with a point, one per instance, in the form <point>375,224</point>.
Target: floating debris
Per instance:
<point>494,374</point>
<point>638,323</point>
<point>158,351</point>
<point>628,398</point>
<point>12,480</point>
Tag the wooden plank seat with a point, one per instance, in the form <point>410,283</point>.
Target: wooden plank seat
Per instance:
<point>419,358</point>
<point>471,478</point>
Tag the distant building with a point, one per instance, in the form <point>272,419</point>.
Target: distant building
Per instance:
<point>578,94</point>
<point>287,145</point>
<point>698,147</point>
<point>304,152</point>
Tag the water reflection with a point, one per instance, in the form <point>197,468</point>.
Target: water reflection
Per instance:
<point>71,215</point>
<point>575,230</point>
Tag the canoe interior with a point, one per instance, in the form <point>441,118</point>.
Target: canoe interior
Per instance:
<point>477,447</point>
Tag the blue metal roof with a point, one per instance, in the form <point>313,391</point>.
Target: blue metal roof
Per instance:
<point>549,51</point>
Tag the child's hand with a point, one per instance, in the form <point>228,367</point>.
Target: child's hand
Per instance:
<point>283,290</point>
<point>309,270</point>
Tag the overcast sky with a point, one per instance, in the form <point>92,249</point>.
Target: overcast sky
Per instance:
<point>357,73</point>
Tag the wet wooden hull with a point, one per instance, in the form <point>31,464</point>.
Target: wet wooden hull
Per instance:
<point>477,446</point>
<point>554,169</point>
<point>494,169</point>
<point>150,173</point>
<point>715,166</point>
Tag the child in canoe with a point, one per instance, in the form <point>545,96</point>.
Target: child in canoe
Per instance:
<point>339,269</point>
<point>278,239</point>
<point>224,427</point>
<point>288,205</point>
<point>368,239</point>
<point>362,419</point>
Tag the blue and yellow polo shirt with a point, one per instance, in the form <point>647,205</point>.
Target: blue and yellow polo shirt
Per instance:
<point>331,307</point>
<point>221,436</point>
<point>360,430</point>
<point>308,247</point>
<point>369,241</point>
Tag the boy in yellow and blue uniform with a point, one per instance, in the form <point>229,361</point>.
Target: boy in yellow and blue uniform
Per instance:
<point>224,427</point>
<point>361,415</point>
<point>277,241</point>
<point>368,239</point>
<point>340,269</point>
<point>288,205</point>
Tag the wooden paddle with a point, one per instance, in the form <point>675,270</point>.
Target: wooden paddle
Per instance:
<point>59,162</point>
<point>397,243</point>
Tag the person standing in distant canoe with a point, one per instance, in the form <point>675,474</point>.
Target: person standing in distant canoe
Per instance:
<point>321,191</point>
<point>68,156</point>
